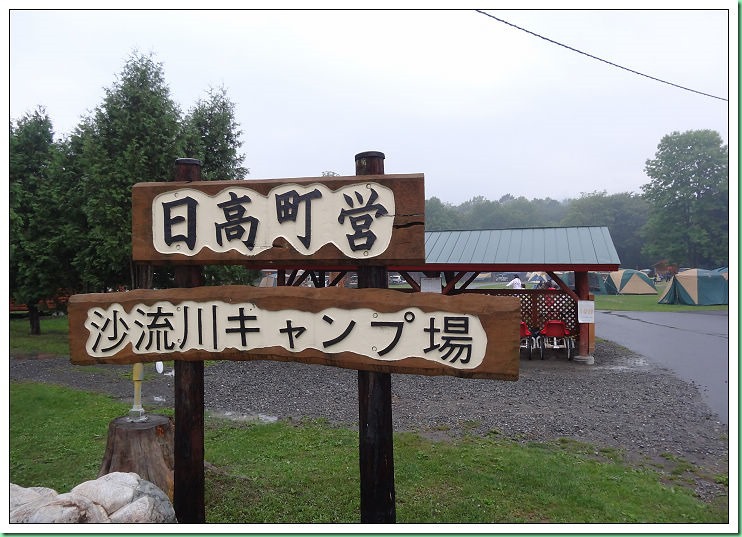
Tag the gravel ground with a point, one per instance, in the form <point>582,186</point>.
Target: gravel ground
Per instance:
<point>621,401</point>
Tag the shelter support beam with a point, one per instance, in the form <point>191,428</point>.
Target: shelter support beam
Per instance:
<point>451,281</point>
<point>337,278</point>
<point>582,288</point>
<point>563,286</point>
<point>470,279</point>
<point>411,281</point>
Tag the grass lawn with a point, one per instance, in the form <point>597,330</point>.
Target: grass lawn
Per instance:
<point>308,472</point>
<point>645,303</point>
<point>52,340</point>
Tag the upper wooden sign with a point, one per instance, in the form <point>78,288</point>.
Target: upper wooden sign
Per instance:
<point>380,330</point>
<point>325,221</point>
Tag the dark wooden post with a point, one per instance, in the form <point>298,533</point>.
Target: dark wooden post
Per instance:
<point>188,493</point>
<point>375,443</point>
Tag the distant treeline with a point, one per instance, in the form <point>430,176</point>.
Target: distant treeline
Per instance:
<point>624,215</point>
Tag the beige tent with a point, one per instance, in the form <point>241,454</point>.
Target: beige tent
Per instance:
<point>629,282</point>
<point>697,287</point>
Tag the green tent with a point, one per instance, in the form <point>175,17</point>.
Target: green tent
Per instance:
<point>629,282</point>
<point>595,281</point>
<point>697,287</point>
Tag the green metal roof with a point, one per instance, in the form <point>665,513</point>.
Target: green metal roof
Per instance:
<point>554,248</point>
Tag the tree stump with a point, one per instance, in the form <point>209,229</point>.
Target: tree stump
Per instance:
<point>145,448</point>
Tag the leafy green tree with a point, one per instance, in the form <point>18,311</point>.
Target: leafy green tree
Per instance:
<point>440,216</point>
<point>508,212</point>
<point>516,213</point>
<point>132,136</point>
<point>478,213</point>
<point>547,212</point>
<point>623,214</point>
<point>33,263</point>
<point>689,196</point>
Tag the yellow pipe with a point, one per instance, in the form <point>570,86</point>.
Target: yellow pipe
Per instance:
<point>137,376</point>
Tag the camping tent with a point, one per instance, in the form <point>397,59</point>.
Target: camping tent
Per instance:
<point>697,287</point>
<point>595,281</point>
<point>629,282</point>
<point>537,277</point>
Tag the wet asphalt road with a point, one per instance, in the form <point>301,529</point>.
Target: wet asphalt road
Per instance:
<point>695,346</point>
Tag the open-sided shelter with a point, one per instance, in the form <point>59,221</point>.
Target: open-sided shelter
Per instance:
<point>697,287</point>
<point>629,282</point>
<point>461,256</point>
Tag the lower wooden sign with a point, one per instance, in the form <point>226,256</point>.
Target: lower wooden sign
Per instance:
<point>366,329</point>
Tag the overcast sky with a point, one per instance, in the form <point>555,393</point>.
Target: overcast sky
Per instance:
<point>479,107</point>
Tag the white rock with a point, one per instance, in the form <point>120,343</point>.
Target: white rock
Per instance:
<point>112,491</point>
<point>162,509</point>
<point>20,496</point>
<point>129,498</point>
<point>65,508</point>
<point>145,509</point>
<point>22,512</point>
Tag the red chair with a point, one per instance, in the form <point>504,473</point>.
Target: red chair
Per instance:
<point>555,335</point>
<point>527,339</point>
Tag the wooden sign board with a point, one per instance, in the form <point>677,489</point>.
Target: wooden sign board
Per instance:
<point>326,221</point>
<point>473,336</point>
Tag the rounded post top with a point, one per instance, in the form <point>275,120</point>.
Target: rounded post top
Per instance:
<point>187,161</point>
<point>370,163</point>
<point>370,154</point>
<point>187,169</point>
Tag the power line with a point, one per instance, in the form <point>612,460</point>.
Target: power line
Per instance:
<point>599,59</point>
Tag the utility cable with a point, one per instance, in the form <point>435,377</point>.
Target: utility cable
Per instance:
<point>599,59</point>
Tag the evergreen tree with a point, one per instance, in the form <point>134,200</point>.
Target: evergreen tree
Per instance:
<point>133,136</point>
<point>212,135</point>
<point>70,201</point>
<point>33,264</point>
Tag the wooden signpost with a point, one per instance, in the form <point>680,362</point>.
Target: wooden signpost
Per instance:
<point>317,221</point>
<point>363,222</point>
<point>380,330</point>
